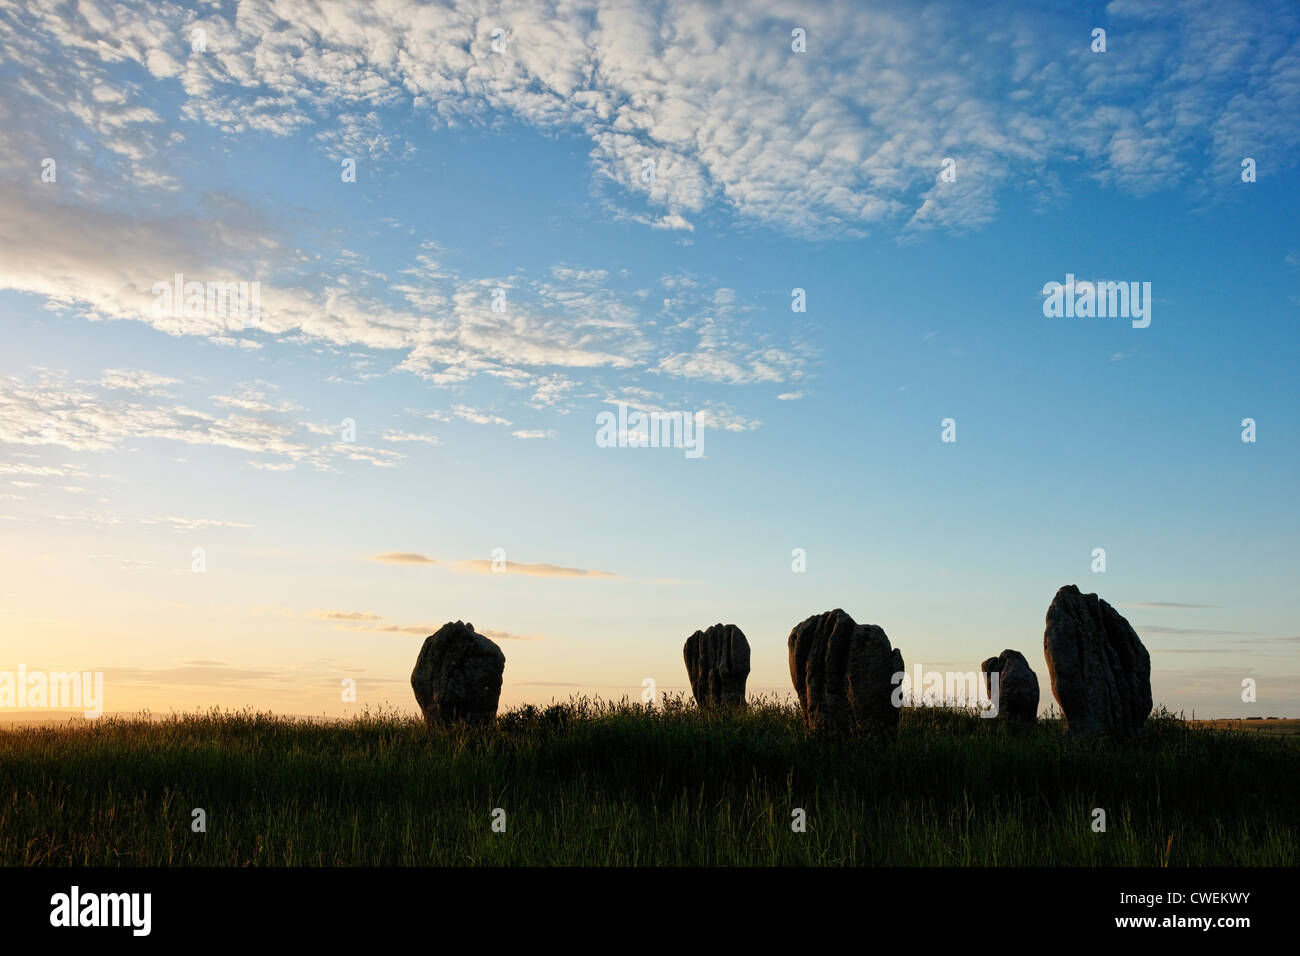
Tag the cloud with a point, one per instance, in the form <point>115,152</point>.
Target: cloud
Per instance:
<point>396,435</point>
<point>507,636</point>
<point>533,433</point>
<point>424,630</point>
<point>716,415</point>
<point>1165,604</point>
<point>88,260</point>
<point>171,522</point>
<point>476,416</point>
<point>379,457</point>
<point>49,410</point>
<point>206,674</point>
<point>346,616</point>
<point>41,471</point>
<point>256,398</point>
<point>551,391</point>
<point>1191,631</point>
<point>579,276</point>
<point>420,629</point>
<point>486,566</point>
<point>134,380</point>
<point>360,135</point>
<point>540,570</point>
<point>844,138</point>
<point>403,557</point>
<point>193,524</point>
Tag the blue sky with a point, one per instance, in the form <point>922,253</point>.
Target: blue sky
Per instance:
<point>128,438</point>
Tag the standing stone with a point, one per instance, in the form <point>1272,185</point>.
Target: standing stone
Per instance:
<point>1101,673</point>
<point>843,673</point>
<point>717,662</point>
<point>458,676</point>
<point>1017,687</point>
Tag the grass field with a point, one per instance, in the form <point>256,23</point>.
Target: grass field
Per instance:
<point>593,783</point>
<point>1259,725</point>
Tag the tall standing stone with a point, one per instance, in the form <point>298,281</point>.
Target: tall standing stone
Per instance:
<point>1101,673</point>
<point>717,663</point>
<point>843,673</point>
<point>1017,687</point>
<point>458,676</point>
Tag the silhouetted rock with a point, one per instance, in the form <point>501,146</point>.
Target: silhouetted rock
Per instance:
<point>843,673</point>
<point>717,662</point>
<point>458,675</point>
<point>1101,673</point>
<point>1017,687</point>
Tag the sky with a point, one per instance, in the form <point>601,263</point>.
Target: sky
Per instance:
<point>823,231</point>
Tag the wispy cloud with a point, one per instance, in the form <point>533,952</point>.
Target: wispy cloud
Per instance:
<point>51,410</point>
<point>539,570</point>
<point>403,557</point>
<point>1191,631</point>
<point>476,416</point>
<point>507,636</point>
<point>399,436</point>
<point>135,380</point>
<point>489,567</point>
<point>364,624</point>
<point>193,524</point>
<point>1165,604</point>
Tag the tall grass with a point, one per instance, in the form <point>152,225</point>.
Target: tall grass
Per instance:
<point>601,783</point>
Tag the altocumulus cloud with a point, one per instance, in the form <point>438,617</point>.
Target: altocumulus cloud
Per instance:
<point>846,136</point>
<point>844,139</point>
<point>50,409</point>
